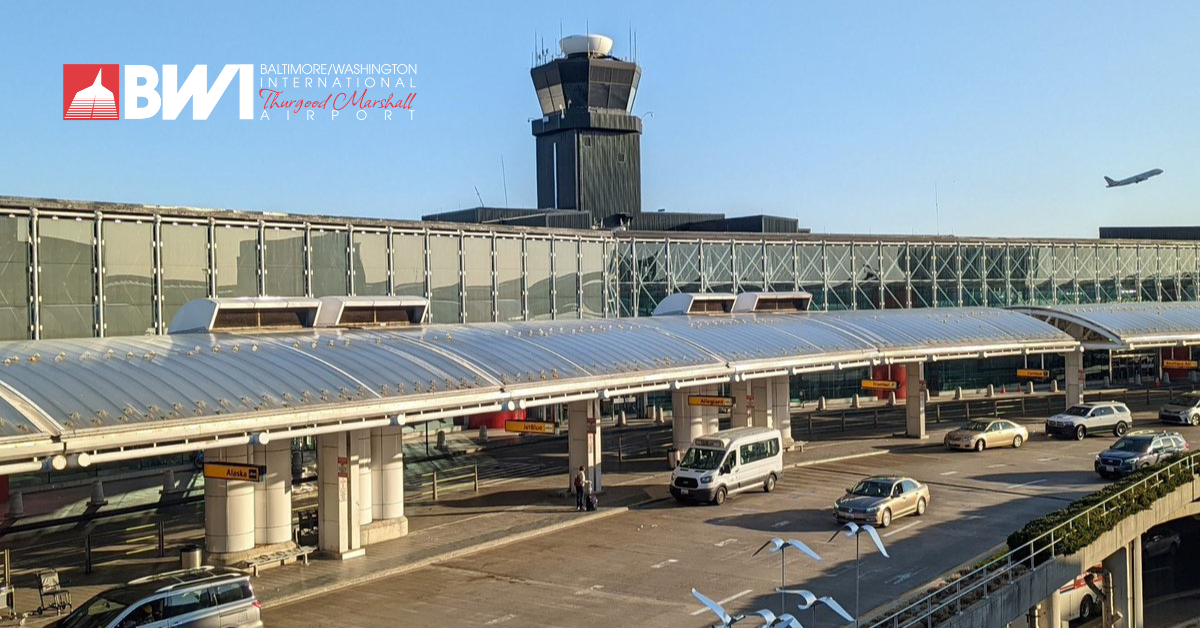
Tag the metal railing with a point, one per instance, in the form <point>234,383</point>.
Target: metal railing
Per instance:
<point>450,480</point>
<point>1000,571</point>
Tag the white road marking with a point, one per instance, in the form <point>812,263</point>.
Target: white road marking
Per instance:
<point>1047,459</point>
<point>904,576</point>
<point>996,466</point>
<point>948,473</point>
<point>746,509</point>
<point>901,529</point>
<point>725,542</point>
<point>500,620</point>
<point>594,587</point>
<point>780,524</point>
<point>1024,484</point>
<point>723,602</point>
<point>664,563</point>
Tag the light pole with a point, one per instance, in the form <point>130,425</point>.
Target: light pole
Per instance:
<point>779,546</point>
<point>854,530</point>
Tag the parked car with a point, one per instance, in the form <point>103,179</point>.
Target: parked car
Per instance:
<point>1160,541</point>
<point>879,499</point>
<point>1090,418</point>
<point>1182,409</point>
<point>184,598</point>
<point>980,435</point>
<point>730,461</point>
<point>1080,598</point>
<point>1138,450</point>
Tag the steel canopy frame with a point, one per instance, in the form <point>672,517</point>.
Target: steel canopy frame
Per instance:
<point>1124,326</point>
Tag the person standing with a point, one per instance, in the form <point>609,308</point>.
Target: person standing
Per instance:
<point>581,488</point>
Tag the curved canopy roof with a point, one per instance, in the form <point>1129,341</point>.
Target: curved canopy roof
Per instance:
<point>1123,326</point>
<point>90,395</point>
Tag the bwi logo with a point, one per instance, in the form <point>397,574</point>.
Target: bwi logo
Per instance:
<point>91,91</point>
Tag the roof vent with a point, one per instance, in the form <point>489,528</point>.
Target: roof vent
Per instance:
<point>372,311</point>
<point>244,314</point>
<point>695,303</point>
<point>772,302</point>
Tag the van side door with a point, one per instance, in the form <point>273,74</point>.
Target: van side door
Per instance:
<point>192,608</point>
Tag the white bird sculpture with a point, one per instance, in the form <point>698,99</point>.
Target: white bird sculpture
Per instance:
<point>726,619</point>
<point>783,621</point>
<point>853,530</point>
<point>780,545</point>
<point>810,600</point>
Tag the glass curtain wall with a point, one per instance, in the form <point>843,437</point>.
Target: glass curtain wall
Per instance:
<point>128,252</point>
<point>14,278</point>
<point>66,272</point>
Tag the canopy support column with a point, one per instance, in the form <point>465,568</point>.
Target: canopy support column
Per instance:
<point>583,441</point>
<point>1075,378</point>
<point>914,402</point>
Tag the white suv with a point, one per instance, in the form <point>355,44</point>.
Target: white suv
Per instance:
<point>1090,418</point>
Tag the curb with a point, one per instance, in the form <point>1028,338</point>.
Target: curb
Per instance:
<point>449,555</point>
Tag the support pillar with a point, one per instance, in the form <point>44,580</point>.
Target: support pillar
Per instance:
<point>229,511</point>
<point>362,449</point>
<point>762,403</point>
<point>273,496</point>
<point>1117,567</point>
<point>1136,592</point>
<point>741,413</point>
<point>687,421</point>
<point>914,401</point>
<point>387,486</point>
<point>339,533</point>
<point>710,416</point>
<point>781,407</point>
<point>583,442</point>
<point>1054,611</point>
<point>1074,377</point>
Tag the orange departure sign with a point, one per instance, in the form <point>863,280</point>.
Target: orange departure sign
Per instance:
<point>880,384</point>
<point>1033,373</point>
<point>529,427</point>
<point>1180,364</point>
<point>234,471</point>
<point>710,401</point>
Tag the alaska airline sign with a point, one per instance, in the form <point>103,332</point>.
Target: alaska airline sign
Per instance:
<point>93,91</point>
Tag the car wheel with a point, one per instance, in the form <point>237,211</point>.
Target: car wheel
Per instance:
<point>1087,607</point>
<point>1018,441</point>
<point>979,445</point>
<point>1120,429</point>
<point>885,519</point>
<point>769,485</point>
<point>921,506</point>
<point>1194,420</point>
<point>719,498</point>
<point>1080,433</point>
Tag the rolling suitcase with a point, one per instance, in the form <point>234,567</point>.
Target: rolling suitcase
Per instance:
<point>591,502</point>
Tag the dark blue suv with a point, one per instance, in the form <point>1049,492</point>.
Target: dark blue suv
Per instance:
<point>1138,450</point>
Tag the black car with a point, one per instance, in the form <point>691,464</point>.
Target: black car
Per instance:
<point>1138,450</point>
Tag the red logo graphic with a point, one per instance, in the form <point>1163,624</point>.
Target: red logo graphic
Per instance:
<point>91,91</point>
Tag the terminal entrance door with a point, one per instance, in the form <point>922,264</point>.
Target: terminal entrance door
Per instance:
<point>1132,367</point>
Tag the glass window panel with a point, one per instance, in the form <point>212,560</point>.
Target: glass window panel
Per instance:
<point>184,266</point>
<point>1085,273</point>
<point>478,279</point>
<point>1042,274</point>
<point>237,260</point>
<point>283,258</point>
<point>651,278</point>
<point>1107,271</point>
<point>749,267</point>
<point>128,278</point>
<point>781,271</point>
<point>628,284</point>
<point>1127,266</point>
<point>14,278</point>
<point>408,266</point>
<point>1187,273</point>
<point>370,263</point>
<point>718,266</point>
<point>444,279</point>
<point>591,272</point>
<point>867,274</point>
<point>947,275</point>
<point>612,285</point>
<point>1168,272</point>
<point>920,259</point>
<point>566,273</point>
<point>971,264</point>
<point>997,283</point>
<point>1020,273</point>
<point>685,267</point>
<point>839,270</point>
<point>330,275</point>
<point>1148,272</point>
<point>537,261</point>
<point>66,264</point>
<point>810,264</point>
<point>509,262</point>
<point>1064,273</point>
<point>894,268</point>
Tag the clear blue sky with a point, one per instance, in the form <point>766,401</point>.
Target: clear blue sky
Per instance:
<point>845,115</point>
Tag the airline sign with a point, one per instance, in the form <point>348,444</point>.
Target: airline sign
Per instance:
<point>880,384</point>
<point>234,471</point>
<point>1180,364</point>
<point>529,427</point>
<point>1033,373</point>
<point>710,401</point>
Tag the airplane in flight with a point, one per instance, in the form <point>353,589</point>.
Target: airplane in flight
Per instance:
<point>1137,178</point>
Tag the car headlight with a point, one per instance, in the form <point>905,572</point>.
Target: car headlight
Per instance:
<point>706,479</point>
<point>1097,457</point>
<point>872,510</point>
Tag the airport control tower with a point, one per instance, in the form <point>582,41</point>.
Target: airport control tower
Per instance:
<point>588,142</point>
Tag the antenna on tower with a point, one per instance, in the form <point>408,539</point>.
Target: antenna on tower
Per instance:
<point>937,212</point>
<point>504,178</point>
<point>477,195</point>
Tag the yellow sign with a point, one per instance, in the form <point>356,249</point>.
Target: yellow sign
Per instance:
<point>880,384</point>
<point>1179,364</point>
<point>1033,373</point>
<point>234,471</point>
<point>529,427</point>
<point>710,401</point>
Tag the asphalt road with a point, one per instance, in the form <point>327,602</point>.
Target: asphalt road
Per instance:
<point>637,569</point>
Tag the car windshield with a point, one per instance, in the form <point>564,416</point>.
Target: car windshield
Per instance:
<point>1184,400</point>
<point>98,612</point>
<point>872,488</point>
<point>1078,411</point>
<point>702,459</point>
<point>974,426</point>
<point>1139,445</point>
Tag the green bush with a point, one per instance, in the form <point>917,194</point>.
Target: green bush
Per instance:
<point>1084,532</point>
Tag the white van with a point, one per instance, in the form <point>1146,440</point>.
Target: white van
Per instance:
<point>731,461</point>
<point>1078,599</point>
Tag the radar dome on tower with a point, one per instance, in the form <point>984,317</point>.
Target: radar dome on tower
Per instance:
<point>589,45</point>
